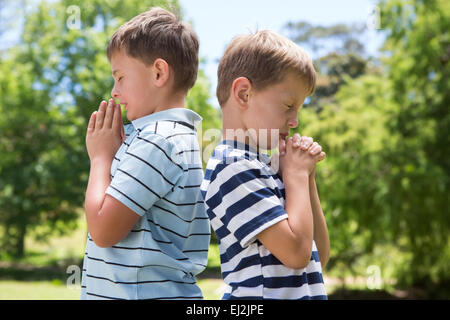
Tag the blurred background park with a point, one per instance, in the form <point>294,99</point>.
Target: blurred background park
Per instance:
<point>380,111</point>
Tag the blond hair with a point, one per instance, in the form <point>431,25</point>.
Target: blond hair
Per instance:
<point>158,33</point>
<point>264,58</point>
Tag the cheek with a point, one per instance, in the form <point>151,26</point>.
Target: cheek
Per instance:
<point>131,91</point>
<point>276,117</point>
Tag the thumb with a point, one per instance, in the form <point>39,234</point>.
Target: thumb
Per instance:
<point>117,122</point>
<point>282,146</point>
<point>321,156</point>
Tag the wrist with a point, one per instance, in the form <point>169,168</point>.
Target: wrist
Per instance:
<point>312,179</point>
<point>295,178</point>
<point>100,161</point>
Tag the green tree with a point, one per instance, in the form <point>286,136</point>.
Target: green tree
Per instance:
<point>338,53</point>
<point>351,180</point>
<point>417,56</point>
<point>385,181</point>
<point>50,83</point>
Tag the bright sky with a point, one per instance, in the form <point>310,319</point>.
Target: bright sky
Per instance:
<point>218,21</point>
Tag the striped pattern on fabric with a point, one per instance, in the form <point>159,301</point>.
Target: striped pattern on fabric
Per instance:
<point>156,174</point>
<point>244,196</point>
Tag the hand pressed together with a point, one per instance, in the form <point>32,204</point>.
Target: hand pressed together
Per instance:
<point>299,153</point>
<point>105,132</point>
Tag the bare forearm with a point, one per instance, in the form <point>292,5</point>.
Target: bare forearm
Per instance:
<point>298,208</point>
<point>320,226</point>
<point>99,180</point>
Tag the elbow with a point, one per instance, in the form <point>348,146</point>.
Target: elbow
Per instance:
<point>324,261</point>
<point>102,242</point>
<point>299,259</point>
<point>101,237</point>
<point>299,262</point>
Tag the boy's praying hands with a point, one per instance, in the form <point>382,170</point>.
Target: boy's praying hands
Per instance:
<point>105,132</point>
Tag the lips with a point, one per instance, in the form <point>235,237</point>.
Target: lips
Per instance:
<point>284,135</point>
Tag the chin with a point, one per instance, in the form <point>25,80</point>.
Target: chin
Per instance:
<point>130,116</point>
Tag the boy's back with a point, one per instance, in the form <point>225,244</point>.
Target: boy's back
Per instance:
<point>244,196</point>
<point>155,173</point>
<point>272,234</point>
<point>148,229</point>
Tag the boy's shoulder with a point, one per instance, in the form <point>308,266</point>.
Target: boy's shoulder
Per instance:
<point>236,154</point>
<point>151,148</point>
<point>228,161</point>
<point>170,123</point>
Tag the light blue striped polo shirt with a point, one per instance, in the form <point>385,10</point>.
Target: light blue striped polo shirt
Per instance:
<point>244,196</point>
<point>157,173</point>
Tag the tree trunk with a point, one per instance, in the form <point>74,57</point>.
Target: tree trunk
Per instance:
<point>20,244</point>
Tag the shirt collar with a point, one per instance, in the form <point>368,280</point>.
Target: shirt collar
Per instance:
<point>253,153</point>
<point>174,114</point>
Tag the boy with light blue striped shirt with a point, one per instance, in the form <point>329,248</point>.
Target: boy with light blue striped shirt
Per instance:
<point>266,212</point>
<point>148,229</point>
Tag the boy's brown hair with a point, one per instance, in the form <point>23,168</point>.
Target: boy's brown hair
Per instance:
<point>264,58</point>
<point>158,33</point>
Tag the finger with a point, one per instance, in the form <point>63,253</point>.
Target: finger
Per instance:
<point>282,146</point>
<point>306,142</point>
<point>296,139</point>
<point>321,156</point>
<point>91,124</point>
<point>100,117</point>
<point>117,118</point>
<point>109,114</point>
<point>315,149</point>
<point>289,143</point>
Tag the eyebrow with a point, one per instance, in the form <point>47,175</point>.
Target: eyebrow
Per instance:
<point>114,72</point>
<point>293,97</point>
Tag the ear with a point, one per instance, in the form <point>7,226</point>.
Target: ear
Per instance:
<point>240,91</point>
<point>161,72</point>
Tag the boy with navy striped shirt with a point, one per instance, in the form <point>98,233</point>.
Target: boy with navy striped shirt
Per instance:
<point>148,228</point>
<point>272,233</point>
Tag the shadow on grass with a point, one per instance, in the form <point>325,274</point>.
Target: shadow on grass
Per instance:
<point>23,271</point>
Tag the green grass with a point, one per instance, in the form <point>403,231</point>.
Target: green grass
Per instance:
<point>41,273</point>
<point>37,290</point>
<point>55,290</point>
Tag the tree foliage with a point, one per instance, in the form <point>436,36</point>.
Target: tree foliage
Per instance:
<point>50,83</point>
<point>339,53</point>
<point>418,52</point>
<point>385,180</point>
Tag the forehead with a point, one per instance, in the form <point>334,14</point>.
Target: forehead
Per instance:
<point>120,62</point>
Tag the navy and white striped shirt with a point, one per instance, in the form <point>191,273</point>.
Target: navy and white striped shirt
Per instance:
<point>244,196</point>
<point>157,173</point>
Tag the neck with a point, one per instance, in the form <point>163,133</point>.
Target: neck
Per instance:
<point>170,101</point>
<point>235,128</point>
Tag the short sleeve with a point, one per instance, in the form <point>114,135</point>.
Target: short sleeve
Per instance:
<point>148,170</point>
<point>241,196</point>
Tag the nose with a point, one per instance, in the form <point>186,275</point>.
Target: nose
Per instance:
<point>293,122</point>
<point>115,93</point>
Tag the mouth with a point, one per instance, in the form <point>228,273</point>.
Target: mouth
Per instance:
<point>283,135</point>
